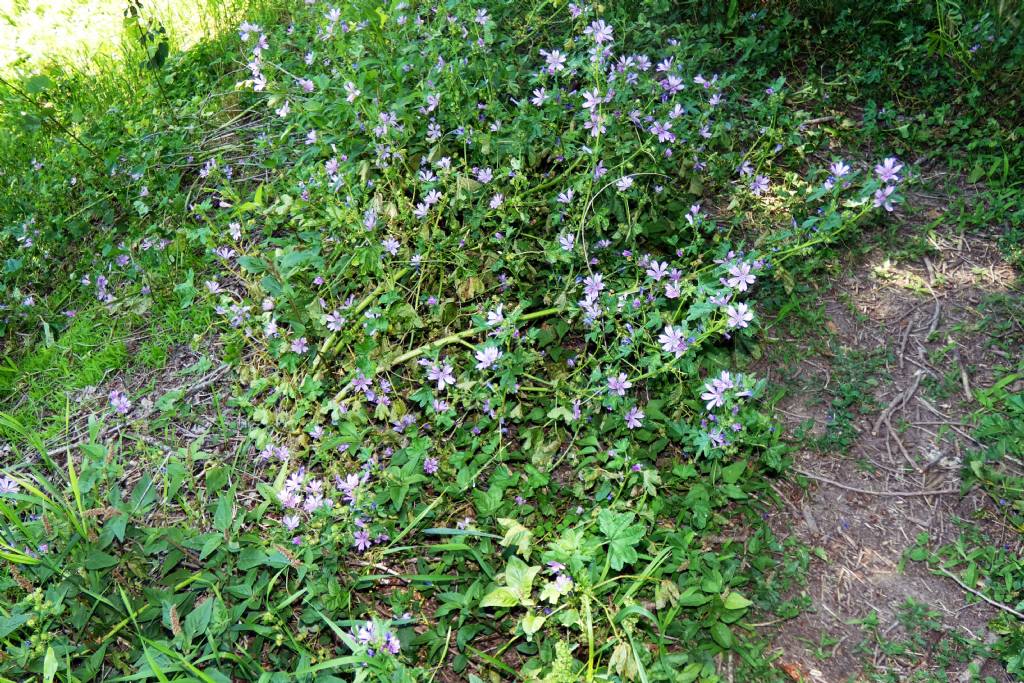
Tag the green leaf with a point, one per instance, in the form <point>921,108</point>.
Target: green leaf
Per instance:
<point>38,84</point>
<point>689,673</point>
<point>99,560</point>
<point>294,260</point>
<point>500,597</point>
<point>217,477</point>
<point>518,535</point>
<point>732,473</point>
<point>186,290</point>
<point>166,402</point>
<point>176,474</point>
<point>10,624</point>
<point>488,502</point>
<point>199,618</point>
<point>712,582</point>
<point>552,591</point>
<point>623,536</point>
<point>250,558</point>
<point>519,577</point>
<point>691,598</point>
<point>721,634</point>
<point>224,513</point>
<point>532,623</point>
<point>736,601</point>
<point>253,264</point>
<point>49,665</point>
<point>211,545</point>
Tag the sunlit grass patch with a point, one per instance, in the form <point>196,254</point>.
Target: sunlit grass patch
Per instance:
<point>90,35</point>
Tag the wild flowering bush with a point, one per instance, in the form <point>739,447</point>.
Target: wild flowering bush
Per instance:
<point>486,283</point>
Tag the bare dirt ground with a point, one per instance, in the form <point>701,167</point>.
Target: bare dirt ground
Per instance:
<point>921,351</point>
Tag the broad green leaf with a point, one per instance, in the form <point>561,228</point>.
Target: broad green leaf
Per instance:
<point>199,618</point>
<point>691,598</point>
<point>552,591</point>
<point>9,624</point>
<point>166,402</point>
<point>186,290</point>
<point>732,473</point>
<point>37,84</point>
<point>224,513</point>
<point>623,536</point>
<point>532,623</point>
<point>49,665</point>
<point>252,264</point>
<point>736,601</point>
<point>251,557</point>
<point>712,582</point>
<point>500,597</point>
<point>518,535</point>
<point>211,544</point>
<point>721,634</point>
<point>519,577</point>
<point>99,560</point>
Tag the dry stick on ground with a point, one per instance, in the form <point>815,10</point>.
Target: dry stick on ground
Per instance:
<point>964,379</point>
<point>903,342</point>
<point>820,119</point>
<point>994,603</point>
<point>952,424</point>
<point>912,309</point>
<point>900,400</point>
<point>934,325</point>
<point>869,491</point>
<point>903,449</point>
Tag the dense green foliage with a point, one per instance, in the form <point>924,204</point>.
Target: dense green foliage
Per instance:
<point>486,274</point>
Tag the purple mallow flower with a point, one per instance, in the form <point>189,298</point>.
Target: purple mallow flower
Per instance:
<point>619,384</point>
<point>888,170</point>
<point>740,276</point>
<point>739,315</point>
<point>673,340</point>
<point>119,402</point>
<point>599,31</point>
<point>486,357</point>
<point>883,198</point>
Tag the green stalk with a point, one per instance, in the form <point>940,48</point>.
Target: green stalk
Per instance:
<point>444,341</point>
<point>327,348</point>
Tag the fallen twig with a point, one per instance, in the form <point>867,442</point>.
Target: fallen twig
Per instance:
<point>869,491</point>
<point>903,343</point>
<point>900,400</point>
<point>964,379</point>
<point>934,325</point>
<point>994,603</point>
<point>820,119</point>
<point>903,449</point>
